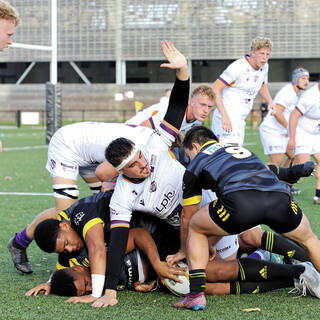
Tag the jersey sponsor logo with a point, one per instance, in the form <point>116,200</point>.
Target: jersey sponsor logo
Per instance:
<point>67,167</point>
<point>212,149</point>
<point>113,212</point>
<point>153,186</point>
<point>135,192</point>
<point>223,249</point>
<point>78,217</point>
<point>167,200</point>
<point>174,217</point>
<point>141,202</point>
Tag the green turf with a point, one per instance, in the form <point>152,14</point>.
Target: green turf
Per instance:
<point>23,171</point>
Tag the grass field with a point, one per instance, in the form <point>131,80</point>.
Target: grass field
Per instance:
<point>22,170</point>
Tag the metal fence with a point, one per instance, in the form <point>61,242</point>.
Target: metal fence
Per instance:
<point>132,29</point>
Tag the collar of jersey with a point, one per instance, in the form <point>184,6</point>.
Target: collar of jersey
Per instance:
<point>208,142</point>
<point>133,180</point>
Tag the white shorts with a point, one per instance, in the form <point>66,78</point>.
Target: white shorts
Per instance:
<point>235,136</point>
<point>307,142</point>
<point>227,246</point>
<point>62,162</point>
<point>273,142</point>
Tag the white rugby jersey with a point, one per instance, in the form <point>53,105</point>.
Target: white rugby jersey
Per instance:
<point>309,106</point>
<point>242,83</point>
<point>160,109</point>
<point>287,98</point>
<point>160,194</point>
<point>88,140</point>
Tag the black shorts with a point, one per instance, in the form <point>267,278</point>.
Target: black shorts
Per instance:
<point>241,210</point>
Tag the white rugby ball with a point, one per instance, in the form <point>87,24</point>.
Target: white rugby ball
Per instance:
<point>178,289</point>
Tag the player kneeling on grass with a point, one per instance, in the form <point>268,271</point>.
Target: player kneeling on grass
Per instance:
<point>248,194</point>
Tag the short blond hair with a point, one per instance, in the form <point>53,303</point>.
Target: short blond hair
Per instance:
<point>261,43</point>
<point>7,12</point>
<point>204,90</point>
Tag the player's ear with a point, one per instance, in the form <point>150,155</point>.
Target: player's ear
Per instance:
<point>196,146</point>
<point>64,226</point>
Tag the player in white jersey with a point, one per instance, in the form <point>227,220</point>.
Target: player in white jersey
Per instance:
<point>74,149</point>
<point>304,131</point>
<point>273,129</point>
<point>236,89</point>
<point>199,107</point>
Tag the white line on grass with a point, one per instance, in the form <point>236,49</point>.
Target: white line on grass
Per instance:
<point>25,148</point>
<point>26,194</point>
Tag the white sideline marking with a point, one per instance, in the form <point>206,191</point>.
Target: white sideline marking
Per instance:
<point>25,148</point>
<point>26,194</point>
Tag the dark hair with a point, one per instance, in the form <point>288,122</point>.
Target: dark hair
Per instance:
<point>198,134</point>
<point>62,283</point>
<point>117,150</point>
<point>46,234</point>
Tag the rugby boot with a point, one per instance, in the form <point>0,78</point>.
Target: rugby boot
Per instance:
<point>197,302</point>
<point>310,277</point>
<point>19,257</point>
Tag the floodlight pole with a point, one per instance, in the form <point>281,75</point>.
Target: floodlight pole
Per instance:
<point>54,33</point>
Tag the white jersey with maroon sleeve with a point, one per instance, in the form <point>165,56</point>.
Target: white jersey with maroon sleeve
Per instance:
<point>83,144</point>
<point>160,194</point>
<point>309,106</point>
<point>287,98</point>
<point>242,83</point>
<point>160,110</point>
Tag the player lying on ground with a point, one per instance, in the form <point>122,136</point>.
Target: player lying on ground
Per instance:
<point>239,276</point>
<point>248,194</point>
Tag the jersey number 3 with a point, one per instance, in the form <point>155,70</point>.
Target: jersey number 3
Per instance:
<point>238,152</point>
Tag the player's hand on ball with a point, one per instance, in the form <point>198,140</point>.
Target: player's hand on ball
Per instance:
<point>41,288</point>
<point>83,299</point>
<point>173,259</point>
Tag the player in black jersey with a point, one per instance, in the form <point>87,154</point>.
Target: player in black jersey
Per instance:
<point>248,194</point>
<point>86,224</point>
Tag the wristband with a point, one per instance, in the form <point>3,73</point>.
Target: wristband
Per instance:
<point>97,284</point>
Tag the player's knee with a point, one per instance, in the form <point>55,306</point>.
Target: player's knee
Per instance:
<point>65,191</point>
<point>251,238</point>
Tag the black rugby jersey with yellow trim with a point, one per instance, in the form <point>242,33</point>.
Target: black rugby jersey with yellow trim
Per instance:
<point>87,212</point>
<point>224,169</point>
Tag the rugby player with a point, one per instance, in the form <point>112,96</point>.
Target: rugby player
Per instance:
<point>9,20</point>
<point>86,224</point>
<point>236,89</point>
<point>229,276</point>
<point>273,129</point>
<point>74,149</point>
<point>143,260</point>
<point>304,131</point>
<point>248,194</point>
<point>199,107</point>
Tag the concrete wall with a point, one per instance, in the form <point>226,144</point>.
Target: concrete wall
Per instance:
<point>82,102</point>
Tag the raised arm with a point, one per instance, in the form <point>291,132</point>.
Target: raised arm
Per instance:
<point>180,92</point>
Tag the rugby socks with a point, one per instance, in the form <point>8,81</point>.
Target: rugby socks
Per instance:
<point>239,287</point>
<point>22,239</point>
<point>318,193</point>
<point>275,243</point>
<point>258,270</point>
<point>197,279</point>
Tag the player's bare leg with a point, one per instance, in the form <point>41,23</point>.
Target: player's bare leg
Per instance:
<point>276,159</point>
<point>65,194</point>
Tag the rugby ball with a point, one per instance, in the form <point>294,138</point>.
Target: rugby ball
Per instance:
<point>178,289</point>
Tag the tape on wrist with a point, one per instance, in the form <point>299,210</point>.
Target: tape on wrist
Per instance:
<point>97,284</point>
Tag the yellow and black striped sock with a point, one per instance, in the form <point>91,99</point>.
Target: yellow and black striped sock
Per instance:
<point>197,279</point>
<point>273,242</point>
